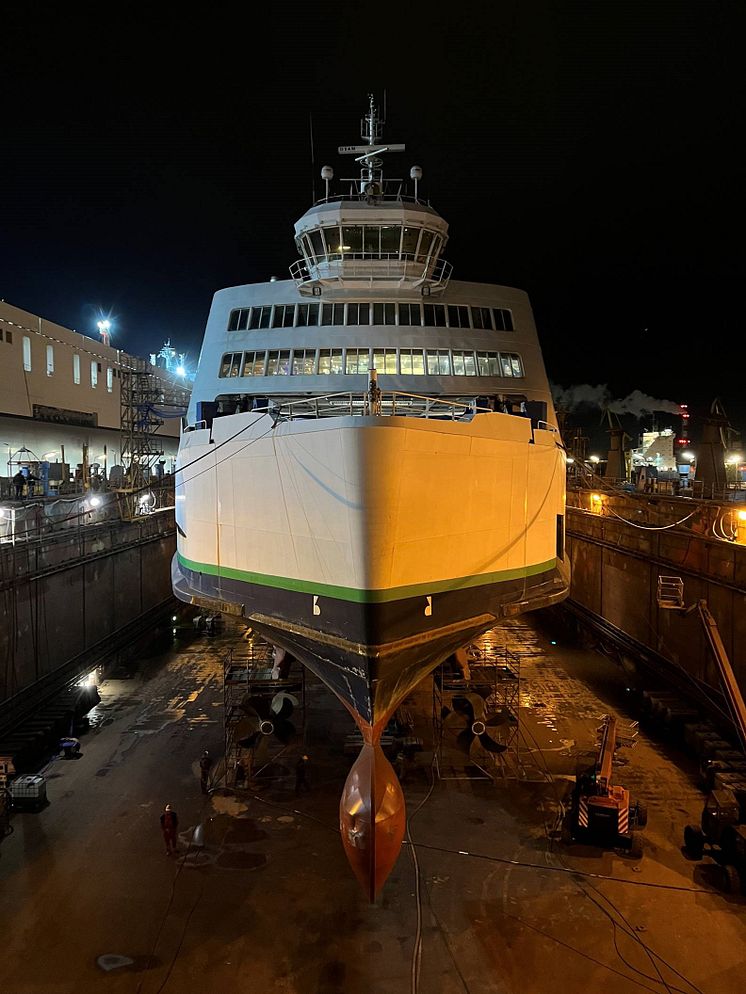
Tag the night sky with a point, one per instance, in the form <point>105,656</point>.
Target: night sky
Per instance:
<point>589,153</point>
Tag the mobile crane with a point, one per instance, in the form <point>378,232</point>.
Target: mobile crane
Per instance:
<point>601,812</point>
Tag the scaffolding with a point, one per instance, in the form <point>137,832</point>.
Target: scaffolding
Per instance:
<point>250,680</point>
<point>476,715</point>
<point>146,401</point>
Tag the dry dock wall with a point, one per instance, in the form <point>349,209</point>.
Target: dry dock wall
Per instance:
<point>70,591</point>
<point>620,545</point>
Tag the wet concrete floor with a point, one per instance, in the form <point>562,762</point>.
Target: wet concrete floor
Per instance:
<point>261,898</point>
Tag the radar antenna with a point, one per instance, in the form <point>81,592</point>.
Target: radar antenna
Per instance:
<point>371,131</point>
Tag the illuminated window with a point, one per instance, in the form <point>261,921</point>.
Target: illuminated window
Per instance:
<point>231,364</point>
<point>50,360</point>
<point>357,361</point>
<point>76,369</point>
<point>352,240</point>
<point>303,361</point>
<point>488,364</point>
<point>511,364</point>
<point>412,362</point>
<point>94,374</point>
<point>438,362</point>
<point>384,360</point>
<point>253,363</point>
<point>464,364</point>
<point>330,361</point>
<point>109,379</point>
<point>27,353</point>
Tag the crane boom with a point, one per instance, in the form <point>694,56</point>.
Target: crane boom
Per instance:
<point>732,691</point>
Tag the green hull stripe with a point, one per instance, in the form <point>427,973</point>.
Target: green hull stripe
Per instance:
<point>368,596</point>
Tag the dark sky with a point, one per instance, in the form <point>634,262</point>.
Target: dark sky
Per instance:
<point>590,153</point>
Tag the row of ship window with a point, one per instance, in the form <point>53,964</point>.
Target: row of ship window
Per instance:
<point>95,366</point>
<point>370,241</point>
<point>412,362</point>
<point>406,315</point>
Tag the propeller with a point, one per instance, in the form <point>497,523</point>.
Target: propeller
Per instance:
<point>467,718</point>
<point>265,717</point>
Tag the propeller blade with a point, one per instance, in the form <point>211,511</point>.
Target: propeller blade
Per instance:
<point>464,740</point>
<point>489,744</point>
<point>283,704</point>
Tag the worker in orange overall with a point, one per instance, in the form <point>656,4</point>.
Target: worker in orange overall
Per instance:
<point>169,828</point>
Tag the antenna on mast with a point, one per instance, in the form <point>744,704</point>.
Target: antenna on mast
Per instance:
<point>313,164</point>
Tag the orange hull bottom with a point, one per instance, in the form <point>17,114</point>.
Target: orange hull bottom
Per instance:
<point>372,815</point>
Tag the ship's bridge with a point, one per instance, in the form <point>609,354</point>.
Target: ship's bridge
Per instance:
<point>372,240</point>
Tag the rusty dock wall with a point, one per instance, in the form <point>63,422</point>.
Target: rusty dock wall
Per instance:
<point>620,543</point>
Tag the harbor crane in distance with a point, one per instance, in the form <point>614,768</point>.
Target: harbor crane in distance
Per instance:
<point>601,813</point>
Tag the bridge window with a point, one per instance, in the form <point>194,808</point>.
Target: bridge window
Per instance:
<point>458,316</point>
<point>357,361</point>
<point>303,361</point>
<point>438,362</point>
<point>50,360</point>
<point>27,353</point>
<point>410,314</point>
<point>503,319</point>
<point>390,240</point>
<point>76,369</point>
<point>435,316</point>
<point>239,319</point>
<point>384,313</point>
<point>94,374</point>
<point>308,315</point>
<point>317,245</point>
<point>425,244</point>
<point>333,242</point>
<point>333,314</point>
<point>230,365</point>
<point>412,362</point>
<point>352,240</point>
<point>260,317</point>
<point>410,237</point>
<point>283,316</point>
<point>330,361</point>
<point>358,314</point>
<point>278,363</point>
<point>481,317</point>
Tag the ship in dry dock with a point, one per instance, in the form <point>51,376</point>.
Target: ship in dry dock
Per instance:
<point>371,474</point>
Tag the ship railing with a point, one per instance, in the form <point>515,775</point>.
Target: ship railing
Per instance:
<point>391,403</point>
<point>356,195</point>
<point>368,268</point>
